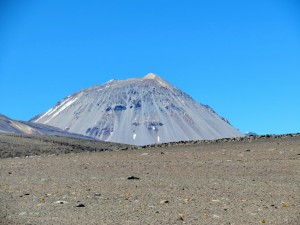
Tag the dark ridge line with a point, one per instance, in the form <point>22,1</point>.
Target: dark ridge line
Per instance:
<point>223,140</point>
<point>87,146</point>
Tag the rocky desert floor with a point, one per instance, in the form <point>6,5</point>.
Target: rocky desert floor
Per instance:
<point>245,181</point>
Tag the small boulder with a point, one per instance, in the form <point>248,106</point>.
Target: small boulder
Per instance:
<point>133,178</point>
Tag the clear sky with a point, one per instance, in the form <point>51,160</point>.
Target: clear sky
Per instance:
<point>240,57</point>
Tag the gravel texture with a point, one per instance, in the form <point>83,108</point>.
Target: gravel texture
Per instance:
<point>253,180</point>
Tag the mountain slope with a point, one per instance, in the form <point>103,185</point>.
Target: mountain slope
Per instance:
<point>137,111</point>
<point>8,125</point>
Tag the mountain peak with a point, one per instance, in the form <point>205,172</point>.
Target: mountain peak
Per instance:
<point>152,76</point>
<point>137,111</point>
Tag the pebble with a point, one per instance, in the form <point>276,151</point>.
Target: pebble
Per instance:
<point>61,202</point>
<point>133,178</point>
<point>162,202</point>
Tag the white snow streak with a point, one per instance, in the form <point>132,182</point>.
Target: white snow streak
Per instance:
<point>110,81</point>
<point>46,113</point>
<point>134,136</point>
<point>67,104</point>
<point>58,109</point>
<point>52,110</point>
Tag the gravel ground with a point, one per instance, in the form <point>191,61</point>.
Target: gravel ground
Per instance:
<point>248,181</point>
<point>31,145</point>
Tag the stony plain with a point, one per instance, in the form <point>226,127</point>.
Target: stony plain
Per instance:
<point>54,180</point>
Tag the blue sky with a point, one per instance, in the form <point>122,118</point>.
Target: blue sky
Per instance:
<point>240,57</point>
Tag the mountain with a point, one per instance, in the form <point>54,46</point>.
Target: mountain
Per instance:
<point>137,111</point>
<point>250,133</point>
<point>8,125</point>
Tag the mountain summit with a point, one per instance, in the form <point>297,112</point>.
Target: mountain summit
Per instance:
<point>137,111</point>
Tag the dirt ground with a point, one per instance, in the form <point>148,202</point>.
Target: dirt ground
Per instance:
<point>253,181</point>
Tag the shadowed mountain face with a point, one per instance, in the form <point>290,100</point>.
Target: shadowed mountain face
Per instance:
<point>137,111</point>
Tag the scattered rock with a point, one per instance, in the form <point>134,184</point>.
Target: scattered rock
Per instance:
<point>24,195</point>
<point>60,202</point>
<point>80,205</point>
<point>162,202</point>
<point>182,216</point>
<point>97,194</point>
<point>187,200</point>
<point>42,199</point>
<point>133,178</point>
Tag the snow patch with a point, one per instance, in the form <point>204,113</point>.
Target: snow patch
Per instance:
<point>110,81</point>
<point>60,108</point>
<point>134,136</point>
<point>53,109</point>
<point>67,104</point>
<point>45,114</point>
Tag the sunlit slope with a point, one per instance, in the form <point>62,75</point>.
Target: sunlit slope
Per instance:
<point>10,126</point>
<point>137,111</point>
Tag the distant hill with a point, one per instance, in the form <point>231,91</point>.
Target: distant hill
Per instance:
<point>250,133</point>
<point>8,125</point>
